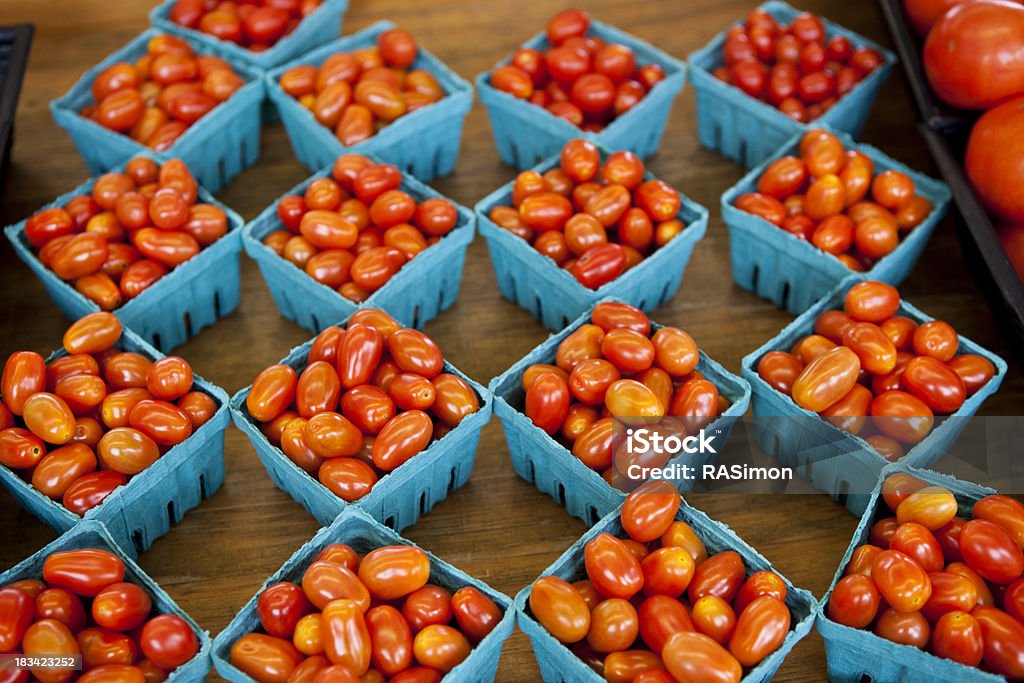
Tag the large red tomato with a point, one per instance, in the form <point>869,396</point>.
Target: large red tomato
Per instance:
<point>972,56</point>
<point>922,14</point>
<point>994,161</point>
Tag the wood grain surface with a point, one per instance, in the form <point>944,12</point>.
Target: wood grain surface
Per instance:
<point>498,528</point>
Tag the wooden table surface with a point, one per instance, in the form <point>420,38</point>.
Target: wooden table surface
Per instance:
<point>498,528</point>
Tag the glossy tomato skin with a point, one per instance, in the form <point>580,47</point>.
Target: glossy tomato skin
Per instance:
<point>475,613</point>
<point>168,641</point>
<point>990,550</point>
<point>391,640</point>
<point>265,658</point>
<point>17,612</point>
<point>992,160</point>
<point>902,582</point>
<point>964,48</point>
<point>693,656</point>
<point>721,574</point>
<point>560,608</point>
<point>121,607</point>
<point>957,636</point>
<point>648,511</point>
<point>394,571</point>
<point>612,568</point>
<point>84,572</point>
<point>1003,638</point>
<point>760,630</point>
<point>280,607</point>
<point>854,601</point>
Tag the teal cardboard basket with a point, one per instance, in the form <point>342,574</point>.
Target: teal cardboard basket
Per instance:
<point>314,30</point>
<point>152,501</point>
<point>793,273</point>
<point>552,294</point>
<point>423,288</point>
<point>526,134</point>
<point>856,655</point>
<point>425,142</point>
<point>558,664</point>
<point>93,534</point>
<point>192,296</point>
<point>748,131</point>
<point>360,531</point>
<point>837,462</point>
<point>553,469</point>
<point>216,148</point>
<point>401,496</point>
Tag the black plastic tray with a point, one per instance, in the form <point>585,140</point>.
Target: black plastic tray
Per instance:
<point>14,44</point>
<point>945,130</point>
<point>986,257</point>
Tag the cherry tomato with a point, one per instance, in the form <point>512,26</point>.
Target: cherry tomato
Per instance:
<point>265,658</point>
<point>121,607</point>
<point>901,581</point>
<point>559,607</point>
<point>84,572</point>
<point>760,630</point>
<point>990,550</point>
<point>854,601</point>
<point>475,613</point>
<point>394,571</point>
<point>693,656</point>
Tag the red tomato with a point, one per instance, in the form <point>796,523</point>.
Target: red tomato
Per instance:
<point>966,57</point>
<point>990,550</point>
<point>901,581</point>
<point>612,568</point>
<point>168,641</point>
<point>280,607</point>
<point>394,571</point>
<point>854,601</point>
<point>720,575</point>
<point>760,630</point>
<point>547,401</point>
<point>648,511</point>
<point>957,636</point>
<point>265,658</point>
<point>1003,638</point>
<point>475,613</point>
<point>695,657</point>
<point>993,148</point>
<point>906,628</point>
<point>84,572</point>
<point>17,612</point>
<point>121,607</point>
<point>391,640</point>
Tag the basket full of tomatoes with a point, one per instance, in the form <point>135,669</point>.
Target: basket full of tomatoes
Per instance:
<point>374,92</point>
<point>659,587</point>
<point>98,247</point>
<point>579,78</point>
<point>262,34</point>
<point>822,208</point>
<point>83,596</point>
<point>863,378</point>
<point>108,429</point>
<point>914,598</point>
<point>168,94</point>
<point>369,414</point>
<point>358,599</point>
<point>551,405</point>
<point>766,78</point>
<point>361,232</point>
<point>585,225</point>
